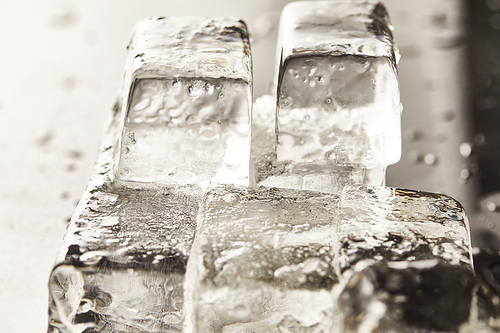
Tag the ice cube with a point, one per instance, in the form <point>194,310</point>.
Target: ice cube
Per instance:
<point>262,261</point>
<point>123,261</point>
<point>188,102</point>
<point>337,93</point>
<point>405,259</point>
<point>390,224</point>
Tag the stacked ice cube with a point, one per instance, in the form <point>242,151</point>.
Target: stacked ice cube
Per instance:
<point>361,259</point>
<point>337,115</point>
<point>186,121</point>
<point>338,257</point>
<point>182,125</point>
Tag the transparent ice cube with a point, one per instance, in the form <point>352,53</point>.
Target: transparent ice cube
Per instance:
<point>337,100</point>
<point>262,261</point>
<point>390,224</point>
<point>123,261</point>
<point>189,102</point>
<point>405,261</point>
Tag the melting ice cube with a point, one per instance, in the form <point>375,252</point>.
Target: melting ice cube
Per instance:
<point>188,107</point>
<point>262,261</point>
<point>337,95</point>
<point>405,259</point>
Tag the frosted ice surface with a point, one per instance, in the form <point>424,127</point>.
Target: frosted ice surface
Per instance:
<point>406,258</point>
<point>337,94</point>
<point>186,118</point>
<point>262,261</point>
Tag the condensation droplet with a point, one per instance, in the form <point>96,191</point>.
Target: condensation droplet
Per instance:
<point>413,135</point>
<point>194,90</point>
<point>176,83</point>
<point>448,116</point>
<point>479,139</point>
<point>414,157</point>
<point>465,149</point>
<point>492,207</point>
<point>465,176</point>
<point>430,159</point>
<point>320,79</point>
<point>221,95</point>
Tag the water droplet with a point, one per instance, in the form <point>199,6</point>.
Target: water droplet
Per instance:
<point>465,176</point>
<point>286,101</point>
<point>176,83</point>
<point>328,100</point>
<point>69,82</point>
<point>441,137</point>
<point>479,138</point>
<point>414,157</point>
<point>447,116</point>
<point>194,90</point>
<point>307,117</point>
<point>209,88</point>
<point>493,4</point>
<point>191,119</point>
<point>430,159</point>
<point>486,103</point>
<point>312,71</point>
<point>221,95</point>
<point>320,79</point>
<point>465,149</point>
<point>413,135</point>
<point>492,207</point>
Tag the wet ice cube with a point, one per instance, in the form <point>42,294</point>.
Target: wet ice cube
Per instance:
<point>385,298</point>
<point>405,259</point>
<point>262,261</point>
<point>337,88</point>
<point>390,224</point>
<point>189,87</point>
<point>123,261</point>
